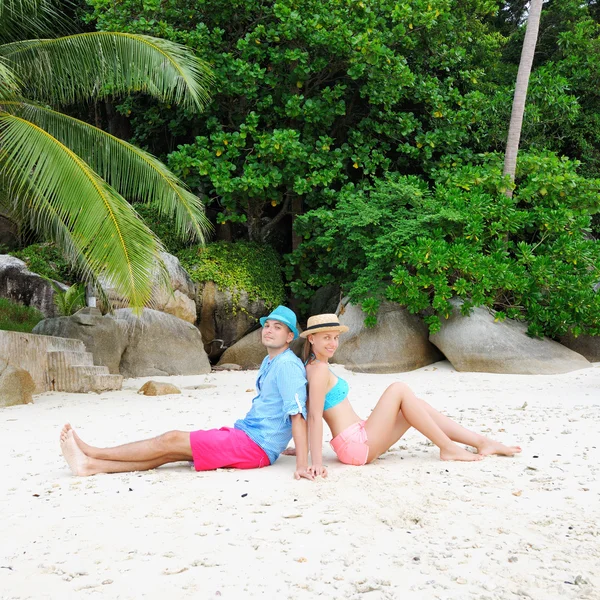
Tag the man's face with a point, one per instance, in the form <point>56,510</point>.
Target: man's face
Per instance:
<point>276,335</point>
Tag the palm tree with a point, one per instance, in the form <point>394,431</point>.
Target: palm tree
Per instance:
<point>67,179</point>
<point>518,107</point>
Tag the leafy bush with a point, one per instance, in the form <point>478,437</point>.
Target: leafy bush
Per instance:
<point>68,301</point>
<point>162,227</point>
<point>46,260</point>
<point>16,317</point>
<point>530,257</point>
<point>236,267</point>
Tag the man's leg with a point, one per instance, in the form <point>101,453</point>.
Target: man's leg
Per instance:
<point>173,446</point>
<point>172,442</point>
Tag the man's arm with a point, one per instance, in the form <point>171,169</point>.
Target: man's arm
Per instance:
<point>300,435</point>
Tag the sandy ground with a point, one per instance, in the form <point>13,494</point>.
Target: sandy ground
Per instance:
<point>408,526</point>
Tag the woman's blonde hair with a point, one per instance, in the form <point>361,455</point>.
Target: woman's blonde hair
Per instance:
<point>306,351</point>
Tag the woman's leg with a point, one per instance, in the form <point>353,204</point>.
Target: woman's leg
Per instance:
<point>452,429</point>
<point>398,409</point>
<point>172,442</point>
<point>457,433</point>
<point>83,465</point>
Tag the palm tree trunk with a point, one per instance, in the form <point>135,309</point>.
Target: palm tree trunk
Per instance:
<point>518,107</point>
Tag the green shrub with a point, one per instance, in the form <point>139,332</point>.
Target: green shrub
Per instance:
<point>162,227</point>
<point>530,257</point>
<point>46,260</point>
<point>236,267</point>
<point>16,317</point>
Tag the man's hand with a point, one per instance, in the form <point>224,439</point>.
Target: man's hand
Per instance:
<point>304,473</point>
<point>291,451</point>
<point>318,470</point>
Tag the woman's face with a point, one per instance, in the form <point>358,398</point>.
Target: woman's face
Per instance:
<point>325,343</point>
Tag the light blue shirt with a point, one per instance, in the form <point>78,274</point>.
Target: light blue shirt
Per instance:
<point>281,387</point>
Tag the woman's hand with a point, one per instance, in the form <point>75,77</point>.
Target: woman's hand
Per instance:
<point>304,473</point>
<point>318,470</point>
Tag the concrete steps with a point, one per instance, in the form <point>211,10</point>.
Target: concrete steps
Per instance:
<point>72,371</point>
<point>59,364</point>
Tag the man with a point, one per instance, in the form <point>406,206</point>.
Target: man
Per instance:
<point>278,413</point>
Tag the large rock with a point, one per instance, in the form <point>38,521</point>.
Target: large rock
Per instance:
<point>325,300</point>
<point>18,284</point>
<point>223,321</point>
<point>160,344</point>
<point>586,345</point>
<point>477,343</point>
<point>249,351</point>
<point>16,385</point>
<point>103,336</point>
<point>179,302</point>
<point>398,343</point>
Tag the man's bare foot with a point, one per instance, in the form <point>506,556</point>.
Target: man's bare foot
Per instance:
<point>78,462</point>
<point>455,452</point>
<point>491,447</point>
<point>85,448</point>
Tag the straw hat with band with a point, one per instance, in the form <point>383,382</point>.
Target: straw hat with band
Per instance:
<point>325,322</point>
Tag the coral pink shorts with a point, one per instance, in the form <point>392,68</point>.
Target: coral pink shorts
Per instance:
<point>226,447</point>
<point>351,445</point>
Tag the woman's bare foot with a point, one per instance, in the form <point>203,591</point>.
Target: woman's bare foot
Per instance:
<point>291,451</point>
<point>78,462</point>
<point>455,452</point>
<point>491,447</point>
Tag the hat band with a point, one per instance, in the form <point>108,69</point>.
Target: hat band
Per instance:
<point>323,325</point>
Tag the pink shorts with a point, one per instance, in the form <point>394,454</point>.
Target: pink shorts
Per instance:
<point>351,445</point>
<point>226,447</point>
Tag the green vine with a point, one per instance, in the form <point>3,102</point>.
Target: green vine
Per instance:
<point>235,267</point>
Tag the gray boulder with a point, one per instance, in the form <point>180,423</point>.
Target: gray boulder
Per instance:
<point>586,345</point>
<point>223,322</point>
<point>20,285</point>
<point>325,300</point>
<point>160,344</point>
<point>249,351</point>
<point>178,301</point>
<point>16,385</point>
<point>398,343</point>
<point>103,336</point>
<point>477,343</point>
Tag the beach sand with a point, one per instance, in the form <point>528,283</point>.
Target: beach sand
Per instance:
<point>408,526</point>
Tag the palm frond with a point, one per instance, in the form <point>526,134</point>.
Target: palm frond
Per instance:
<point>22,19</point>
<point>9,86</point>
<point>76,67</point>
<point>135,174</point>
<point>103,227</point>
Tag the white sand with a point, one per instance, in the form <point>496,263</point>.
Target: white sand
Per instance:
<point>408,526</point>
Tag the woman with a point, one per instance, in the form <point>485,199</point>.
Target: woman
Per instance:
<point>357,441</point>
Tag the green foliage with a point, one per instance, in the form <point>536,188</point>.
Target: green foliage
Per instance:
<point>69,301</point>
<point>162,227</point>
<point>241,266</point>
<point>531,257</point>
<point>48,261</point>
<point>312,95</point>
<point>67,180</point>
<point>16,317</point>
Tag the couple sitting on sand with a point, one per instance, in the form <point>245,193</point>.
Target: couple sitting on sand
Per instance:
<point>279,413</point>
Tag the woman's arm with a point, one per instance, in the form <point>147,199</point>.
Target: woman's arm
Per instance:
<point>318,381</point>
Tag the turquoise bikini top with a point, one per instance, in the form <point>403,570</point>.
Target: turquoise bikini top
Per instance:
<point>336,394</point>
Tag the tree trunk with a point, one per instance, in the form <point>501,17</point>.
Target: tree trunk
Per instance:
<point>518,107</point>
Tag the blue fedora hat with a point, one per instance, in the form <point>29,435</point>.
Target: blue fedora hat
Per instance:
<point>284,315</point>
